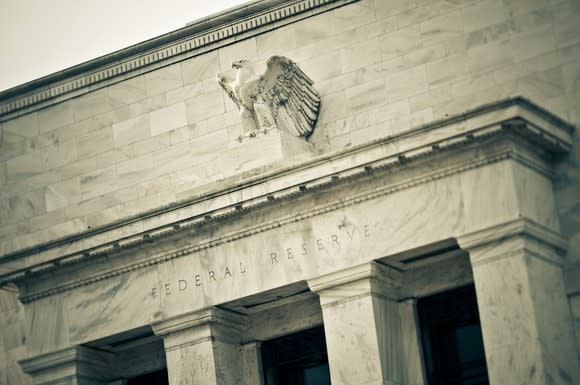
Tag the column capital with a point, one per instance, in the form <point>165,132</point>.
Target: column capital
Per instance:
<point>517,237</point>
<point>210,323</point>
<point>357,281</point>
<point>70,363</point>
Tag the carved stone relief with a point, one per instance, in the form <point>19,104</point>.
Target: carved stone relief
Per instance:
<point>283,97</point>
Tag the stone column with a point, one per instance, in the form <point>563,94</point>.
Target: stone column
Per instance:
<point>252,362</point>
<point>371,338</point>
<point>525,316</point>
<point>203,347</point>
<point>77,365</point>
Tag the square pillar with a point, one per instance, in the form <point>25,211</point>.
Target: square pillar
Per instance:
<point>525,316</point>
<point>371,338</point>
<point>203,347</point>
<point>252,362</point>
<point>77,365</point>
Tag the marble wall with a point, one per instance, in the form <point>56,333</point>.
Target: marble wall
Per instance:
<point>381,67</point>
<point>12,339</point>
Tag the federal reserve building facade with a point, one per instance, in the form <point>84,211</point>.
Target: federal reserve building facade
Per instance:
<point>301,192</point>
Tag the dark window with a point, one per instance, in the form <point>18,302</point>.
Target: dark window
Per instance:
<point>451,336</point>
<point>296,359</point>
<point>155,378</point>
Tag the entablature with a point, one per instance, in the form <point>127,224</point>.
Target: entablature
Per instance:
<point>517,118</point>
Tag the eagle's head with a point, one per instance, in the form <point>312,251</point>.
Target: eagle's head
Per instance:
<point>239,64</point>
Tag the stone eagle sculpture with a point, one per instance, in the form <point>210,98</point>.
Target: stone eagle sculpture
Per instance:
<point>283,97</point>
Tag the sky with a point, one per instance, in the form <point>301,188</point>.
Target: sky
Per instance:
<point>40,37</point>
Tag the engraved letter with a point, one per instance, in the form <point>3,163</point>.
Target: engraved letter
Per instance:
<point>304,249</point>
<point>227,272</point>
<point>273,258</point>
<point>212,275</point>
<point>197,280</point>
<point>242,268</point>
<point>335,240</point>
<point>167,291</point>
<point>154,292</point>
<point>182,284</point>
<point>319,244</point>
<point>366,231</point>
<point>289,253</point>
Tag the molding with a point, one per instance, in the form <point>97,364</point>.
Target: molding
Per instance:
<point>205,325</point>
<point>516,228</point>
<point>196,38</point>
<point>366,271</point>
<point>480,122</point>
<point>72,355</point>
<point>105,250</point>
<point>512,238</point>
<point>207,316</point>
<point>380,164</point>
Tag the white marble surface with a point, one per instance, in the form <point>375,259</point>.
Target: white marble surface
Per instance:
<point>371,338</point>
<point>382,69</point>
<point>525,317</point>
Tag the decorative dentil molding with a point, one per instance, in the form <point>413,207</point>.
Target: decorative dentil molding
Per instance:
<point>554,140</point>
<point>205,35</point>
<point>283,97</point>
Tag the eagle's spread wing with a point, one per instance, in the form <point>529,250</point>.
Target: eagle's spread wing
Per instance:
<point>289,94</point>
<point>227,86</point>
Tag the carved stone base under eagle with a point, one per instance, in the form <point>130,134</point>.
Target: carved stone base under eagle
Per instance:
<point>283,97</point>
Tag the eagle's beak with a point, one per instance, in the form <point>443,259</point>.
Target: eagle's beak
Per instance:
<point>236,65</point>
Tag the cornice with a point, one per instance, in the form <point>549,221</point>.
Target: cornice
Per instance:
<point>385,163</point>
<point>204,35</point>
<point>506,112</point>
<point>517,227</point>
<point>207,316</point>
<point>71,355</point>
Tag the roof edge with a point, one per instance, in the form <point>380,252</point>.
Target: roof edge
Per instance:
<point>197,37</point>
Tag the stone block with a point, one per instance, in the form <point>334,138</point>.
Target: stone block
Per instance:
<point>110,117</point>
<point>131,130</point>
<point>399,42</point>
<point>163,79</point>
<point>92,104</point>
<point>59,155</point>
<point>367,95</point>
<point>167,119</point>
<point>22,127</point>
<point>46,220</point>
<point>128,91</point>
<point>2,174</point>
<point>25,166</point>
<point>534,43</point>
<point>443,27</point>
<point>386,9</point>
<point>200,67</point>
<point>484,14</point>
<point>447,70</point>
<point>360,55</point>
<point>205,106</point>
<point>15,208</point>
<point>98,182</point>
<point>62,194</point>
<point>192,90</point>
<point>271,43</point>
<point>322,67</point>
<point>135,170</point>
<point>263,149</point>
<point>147,105</point>
<point>153,144</point>
<point>244,49</point>
<point>95,142</point>
<point>55,116</point>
